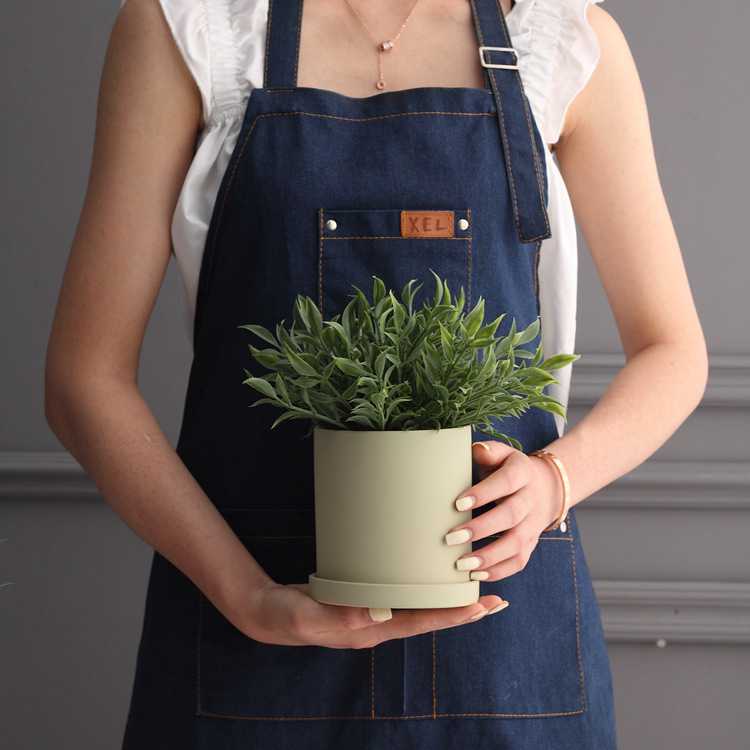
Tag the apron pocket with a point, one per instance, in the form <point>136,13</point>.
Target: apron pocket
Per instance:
<point>239,677</point>
<point>395,244</point>
<point>523,661</point>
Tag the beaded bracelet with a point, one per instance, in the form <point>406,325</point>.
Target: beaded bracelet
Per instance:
<point>561,520</point>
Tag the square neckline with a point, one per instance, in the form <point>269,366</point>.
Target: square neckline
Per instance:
<point>486,88</point>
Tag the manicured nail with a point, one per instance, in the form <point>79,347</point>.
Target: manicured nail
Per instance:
<point>464,503</point>
<point>468,563</point>
<point>457,537</point>
<point>478,615</point>
<point>479,575</point>
<point>381,614</point>
<point>484,445</point>
<point>500,606</point>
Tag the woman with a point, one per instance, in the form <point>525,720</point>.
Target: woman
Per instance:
<point>364,109</point>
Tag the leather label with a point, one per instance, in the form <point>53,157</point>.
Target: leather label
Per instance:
<point>427,223</point>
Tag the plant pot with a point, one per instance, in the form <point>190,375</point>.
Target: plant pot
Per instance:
<point>384,500</point>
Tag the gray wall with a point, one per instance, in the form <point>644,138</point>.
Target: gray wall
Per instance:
<point>667,544</point>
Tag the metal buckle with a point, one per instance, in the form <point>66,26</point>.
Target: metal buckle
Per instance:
<point>486,64</point>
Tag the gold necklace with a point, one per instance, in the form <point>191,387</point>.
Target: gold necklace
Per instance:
<point>383,46</point>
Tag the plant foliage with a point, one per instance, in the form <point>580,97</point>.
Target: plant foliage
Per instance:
<point>381,364</point>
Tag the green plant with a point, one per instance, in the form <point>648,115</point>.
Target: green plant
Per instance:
<point>384,365</point>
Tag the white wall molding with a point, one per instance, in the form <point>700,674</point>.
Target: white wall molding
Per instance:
<point>728,380</point>
<point>632,611</point>
<point>674,611</point>
<point>678,485</point>
<point>43,475</point>
<point>655,484</point>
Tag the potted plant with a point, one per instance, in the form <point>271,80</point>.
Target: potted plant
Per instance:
<point>391,393</point>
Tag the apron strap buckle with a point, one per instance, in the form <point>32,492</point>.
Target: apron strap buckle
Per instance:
<point>505,66</point>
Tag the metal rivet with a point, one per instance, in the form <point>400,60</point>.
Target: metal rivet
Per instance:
<point>463,224</point>
<point>331,224</point>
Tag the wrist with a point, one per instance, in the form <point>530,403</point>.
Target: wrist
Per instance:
<point>240,593</point>
<point>550,490</point>
<point>556,466</point>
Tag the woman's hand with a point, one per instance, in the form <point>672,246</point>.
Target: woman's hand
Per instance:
<point>527,495</point>
<point>288,615</point>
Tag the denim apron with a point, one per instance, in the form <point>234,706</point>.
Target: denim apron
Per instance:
<point>323,190</point>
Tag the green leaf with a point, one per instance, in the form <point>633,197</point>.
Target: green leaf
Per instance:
<point>262,386</point>
<point>261,332</point>
<point>535,376</point>
<point>528,334</point>
<point>299,364</point>
<point>288,415</point>
<point>267,357</point>
<point>378,289</point>
<point>313,314</point>
<point>446,341</point>
<point>559,360</point>
<point>552,406</point>
<point>473,320</point>
<point>350,367</point>
<point>340,330</point>
<point>438,296</point>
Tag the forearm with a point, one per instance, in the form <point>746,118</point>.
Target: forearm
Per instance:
<point>107,426</point>
<point>641,408</point>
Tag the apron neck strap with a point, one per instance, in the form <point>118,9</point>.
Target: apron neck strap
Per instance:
<point>521,142</point>
<point>284,22</point>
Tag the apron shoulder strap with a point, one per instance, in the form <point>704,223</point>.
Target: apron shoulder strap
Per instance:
<point>521,140</point>
<point>283,25</point>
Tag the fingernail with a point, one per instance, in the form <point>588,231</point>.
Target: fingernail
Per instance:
<point>484,445</point>
<point>478,615</point>
<point>456,537</point>
<point>468,563</point>
<point>464,503</point>
<point>479,575</point>
<point>500,606</point>
<point>381,614</point>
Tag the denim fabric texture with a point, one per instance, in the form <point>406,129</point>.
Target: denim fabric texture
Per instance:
<point>537,674</point>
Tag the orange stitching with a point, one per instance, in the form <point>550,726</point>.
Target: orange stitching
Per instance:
<point>525,104</point>
<point>434,691</point>
<point>468,261</point>
<point>268,44</point>
<point>299,34</point>
<point>369,718</point>
<point>578,630</point>
<point>320,259</point>
<point>390,237</point>
<point>198,642</point>
<point>376,117</point>
<point>372,682</point>
<point>503,134</point>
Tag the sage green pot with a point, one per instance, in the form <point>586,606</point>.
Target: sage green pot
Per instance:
<point>384,501</point>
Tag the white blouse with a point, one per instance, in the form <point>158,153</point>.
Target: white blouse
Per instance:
<point>222,43</point>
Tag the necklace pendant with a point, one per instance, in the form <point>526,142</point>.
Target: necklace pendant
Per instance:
<point>386,45</point>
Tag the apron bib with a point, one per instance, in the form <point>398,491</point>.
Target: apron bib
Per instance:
<point>306,156</point>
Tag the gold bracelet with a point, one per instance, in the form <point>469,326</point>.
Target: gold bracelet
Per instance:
<point>561,520</point>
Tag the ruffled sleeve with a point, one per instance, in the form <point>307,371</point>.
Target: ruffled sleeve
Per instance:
<point>221,54</point>
<point>557,52</point>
